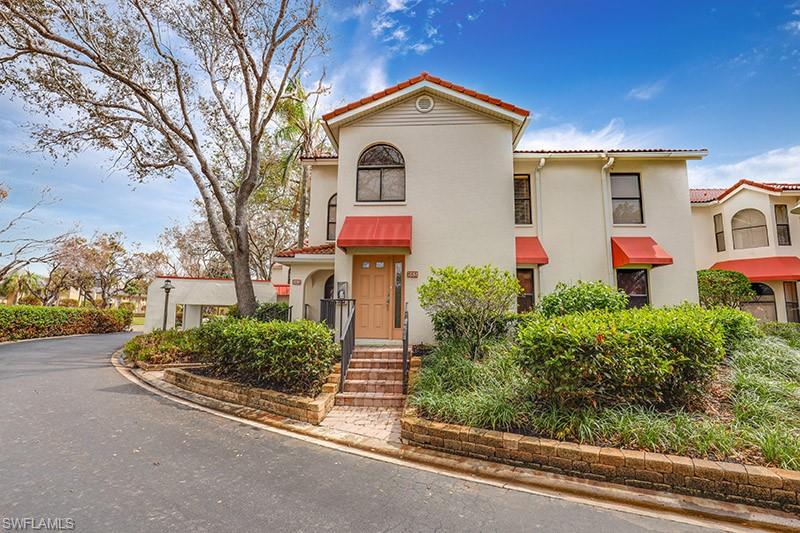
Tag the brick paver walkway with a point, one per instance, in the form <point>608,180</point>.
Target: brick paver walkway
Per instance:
<point>376,422</point>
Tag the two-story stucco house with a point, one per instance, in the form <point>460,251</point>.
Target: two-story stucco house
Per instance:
<point>426,175</point>
<point>748,228</point>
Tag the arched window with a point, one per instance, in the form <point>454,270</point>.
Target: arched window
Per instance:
<point>332,218</point>
<point>763,305</point>
<point>749,227</point>
<point>381,175</point>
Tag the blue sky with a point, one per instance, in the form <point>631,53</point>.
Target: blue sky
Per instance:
<point>724,75</point>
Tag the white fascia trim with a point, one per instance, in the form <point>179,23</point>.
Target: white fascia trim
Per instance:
<point>426,84</point>
<point>320,161</point>
<point>306,258</point>
<point>520,132</point>
<point>694,154</point>
<point>331,137</point>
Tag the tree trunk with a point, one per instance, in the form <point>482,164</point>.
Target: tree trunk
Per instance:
<point>245,294</point>
<point>301,222</point>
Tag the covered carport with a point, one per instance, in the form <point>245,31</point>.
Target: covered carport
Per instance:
<point>193,294</point>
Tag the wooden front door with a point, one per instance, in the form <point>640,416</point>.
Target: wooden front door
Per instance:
<point>372,282</point>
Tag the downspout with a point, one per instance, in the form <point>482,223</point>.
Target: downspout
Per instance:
<point>537,184</point>
<point>605,183</point>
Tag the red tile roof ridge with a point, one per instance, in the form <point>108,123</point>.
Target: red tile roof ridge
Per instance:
<point>320,249</point>
<point>424,76</point>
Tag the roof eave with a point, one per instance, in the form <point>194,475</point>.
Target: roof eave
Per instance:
<point>603,154</point>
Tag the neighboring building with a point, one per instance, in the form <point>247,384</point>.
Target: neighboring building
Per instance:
<point>426,175</point>
<point>749,228</point>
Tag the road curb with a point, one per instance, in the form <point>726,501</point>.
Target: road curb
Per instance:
<point>681,508</point>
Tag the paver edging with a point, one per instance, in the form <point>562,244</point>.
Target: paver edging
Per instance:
<point>519,477</point>
<point>773,488</point>
<point>311,410</point>
<point>154,367</point>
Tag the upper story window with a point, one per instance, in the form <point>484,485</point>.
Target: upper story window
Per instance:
<point>626,199</point>
<point>749,228</point>
<point>381,175</point>
<point>332,218</point>
<point>719,232</point>
<point>522,199</point>
<point>782,225</point>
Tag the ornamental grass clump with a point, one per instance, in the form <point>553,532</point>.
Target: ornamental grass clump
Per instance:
<point>293,357</point>
<point>658,357</point>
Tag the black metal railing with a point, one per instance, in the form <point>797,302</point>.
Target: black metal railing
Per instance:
<point>348,343</point>
<point>406,354</point>
<point>334,312</point>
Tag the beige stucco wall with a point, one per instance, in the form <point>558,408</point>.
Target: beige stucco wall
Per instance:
<point>458,190</point>
<point>323,186</point>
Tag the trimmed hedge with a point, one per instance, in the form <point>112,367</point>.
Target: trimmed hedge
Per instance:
<point>163,347</point>
<point>19,322</point>
<point>583,296</point>
<point>637,356</point>
<point>294,357</point>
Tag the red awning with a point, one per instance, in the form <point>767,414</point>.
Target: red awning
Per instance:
<point>764,268</point>
<point>530,251</point>
<point>375,232</point>
<point>638,251</point>
<point>281,289</point>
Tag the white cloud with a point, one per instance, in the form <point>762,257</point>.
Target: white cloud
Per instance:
<point>399,34</point>
<point>793,26</point>
<point>399,5</point>
<point>420,48</point>
<point>570,137</point>
<point>381,24</point>
<point>646,92</point>
<point>782,164</point>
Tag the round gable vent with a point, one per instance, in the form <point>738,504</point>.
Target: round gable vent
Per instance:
<point>424,103</point>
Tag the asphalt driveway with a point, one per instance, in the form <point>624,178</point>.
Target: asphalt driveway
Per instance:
<point>79,441</point>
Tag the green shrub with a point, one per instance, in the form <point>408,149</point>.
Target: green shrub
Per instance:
<point>723,288</point>
<point>293,357</point>
<point>788,331</point>
<point>637,356</point>
<point>29,299</point>
<point>269,311</point>
<point>127,305</point>
<point>737,326</point>
<point>163,347</point>
<point>68,302</point>
<point>583,296</point>
<point>471,303</point>
<point>29,322</point>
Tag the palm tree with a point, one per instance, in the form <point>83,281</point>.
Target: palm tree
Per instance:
<point>302,130</point>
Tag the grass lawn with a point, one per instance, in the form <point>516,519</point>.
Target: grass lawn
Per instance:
<point>138,320</point>
<point>750,413</point>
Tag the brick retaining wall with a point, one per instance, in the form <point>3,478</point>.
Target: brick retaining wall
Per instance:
<point>311,410</point>
<point>754,485</point>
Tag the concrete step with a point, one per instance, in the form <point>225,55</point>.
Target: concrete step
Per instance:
<point>384,386</point>
<point>370,399</point>
<point>390,354</point>
<point>376,363</point>
<point>383,374</point>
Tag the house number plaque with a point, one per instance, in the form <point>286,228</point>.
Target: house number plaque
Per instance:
<point>296,282</point>
<point>413,274</point>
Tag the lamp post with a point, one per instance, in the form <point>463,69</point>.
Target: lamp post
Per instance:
<point>167,286</point>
